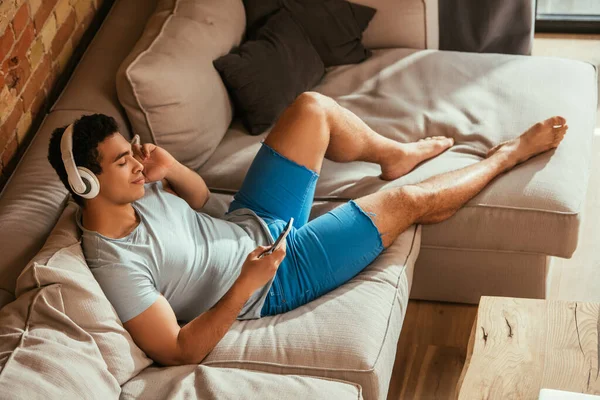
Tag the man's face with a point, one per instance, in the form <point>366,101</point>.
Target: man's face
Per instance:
<point>121,180</point>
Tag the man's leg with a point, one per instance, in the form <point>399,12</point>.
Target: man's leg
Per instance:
<point>315,126</point>
<point>439,197</point>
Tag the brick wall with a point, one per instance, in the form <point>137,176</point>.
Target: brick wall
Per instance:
<point>37,43</point>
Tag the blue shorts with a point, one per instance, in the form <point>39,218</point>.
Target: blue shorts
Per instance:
<point>321,254</point>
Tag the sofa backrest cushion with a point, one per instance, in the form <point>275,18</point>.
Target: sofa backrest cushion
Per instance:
<point>61,262</point>
<point>45,354</point>
<point>397,23</point>
<point>401,23</point>
<point>168,86</point>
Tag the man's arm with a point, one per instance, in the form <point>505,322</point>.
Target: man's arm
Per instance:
<point>156,330</point>
<point>188,185</point>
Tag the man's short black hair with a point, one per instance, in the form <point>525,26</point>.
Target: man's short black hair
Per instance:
<point>88,132</point>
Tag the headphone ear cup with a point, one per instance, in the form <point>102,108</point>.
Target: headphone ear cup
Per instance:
<point>92,185</point>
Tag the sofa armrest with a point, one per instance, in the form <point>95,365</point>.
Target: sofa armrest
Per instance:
<point>402,23</point>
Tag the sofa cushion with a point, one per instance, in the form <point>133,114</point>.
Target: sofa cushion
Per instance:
<point>45,354</point>
<point>5,297</point>
<point>168,86</point>
<point>202,382</point>
<point>479,100</point>
<point>61,261</point>
<point>349,334</point>
<point>258,12</point>
<point>409,24</point>
<point>264,76</point>
<point>396,24</point>
<point>334,27</point>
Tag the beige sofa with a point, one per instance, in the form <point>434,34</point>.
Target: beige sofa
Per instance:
<point>344,344</point>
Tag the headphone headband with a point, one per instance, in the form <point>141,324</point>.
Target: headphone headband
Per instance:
<point>66,150</point>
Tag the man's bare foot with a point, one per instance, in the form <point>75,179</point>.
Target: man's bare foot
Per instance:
<point>540,138</point>
<point>408,155</point>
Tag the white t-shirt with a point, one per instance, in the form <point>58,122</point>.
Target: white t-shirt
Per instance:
<point>193,259</point>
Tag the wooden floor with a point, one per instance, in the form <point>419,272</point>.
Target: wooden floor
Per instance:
<point>432,346</point>
<point>431,350</point>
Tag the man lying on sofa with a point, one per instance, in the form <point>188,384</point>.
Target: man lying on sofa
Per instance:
<point>158,260</point>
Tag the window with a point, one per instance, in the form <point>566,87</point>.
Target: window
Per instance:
<point>569,16</point>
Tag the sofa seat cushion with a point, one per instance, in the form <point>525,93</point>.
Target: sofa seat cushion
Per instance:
<point>349,334</point>
<point>479,100</point>
<point>209,383</point>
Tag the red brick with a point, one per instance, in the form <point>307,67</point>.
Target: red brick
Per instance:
<point>39,104</point>
<point>5,137</point>
<point>17,77</point>
<point>6,42</point>
<point>7,130</point>
<point>10,150</point>
<point>25,40</point>
<point>16,67</point>
<point>51,79</point>
<point>36,82</point>
<point>63,34</point>
<point>79,31</point>
<point>4,73</point>
<point>19,51</point>
<point>4,68</point>
<point>21,19</point>
<point>83,26</point>
<point>43,12</point>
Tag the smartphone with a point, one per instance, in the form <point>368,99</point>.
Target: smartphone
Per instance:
<point>279,240</point>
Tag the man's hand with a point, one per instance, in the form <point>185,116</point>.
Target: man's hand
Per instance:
<point>160,164</point>
<point>256,272</point>
<point>156,160</point>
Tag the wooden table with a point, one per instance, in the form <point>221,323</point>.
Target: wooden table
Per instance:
<point>519,346</point>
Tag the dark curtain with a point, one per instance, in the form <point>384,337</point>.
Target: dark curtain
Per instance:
<point>487,26</point>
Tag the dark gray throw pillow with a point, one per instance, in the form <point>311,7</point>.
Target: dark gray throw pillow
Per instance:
<point>334,27</point>
<point>257,14</point>
<point>265,75</point>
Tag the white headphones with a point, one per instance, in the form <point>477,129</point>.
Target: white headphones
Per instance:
<point>83,181</point>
